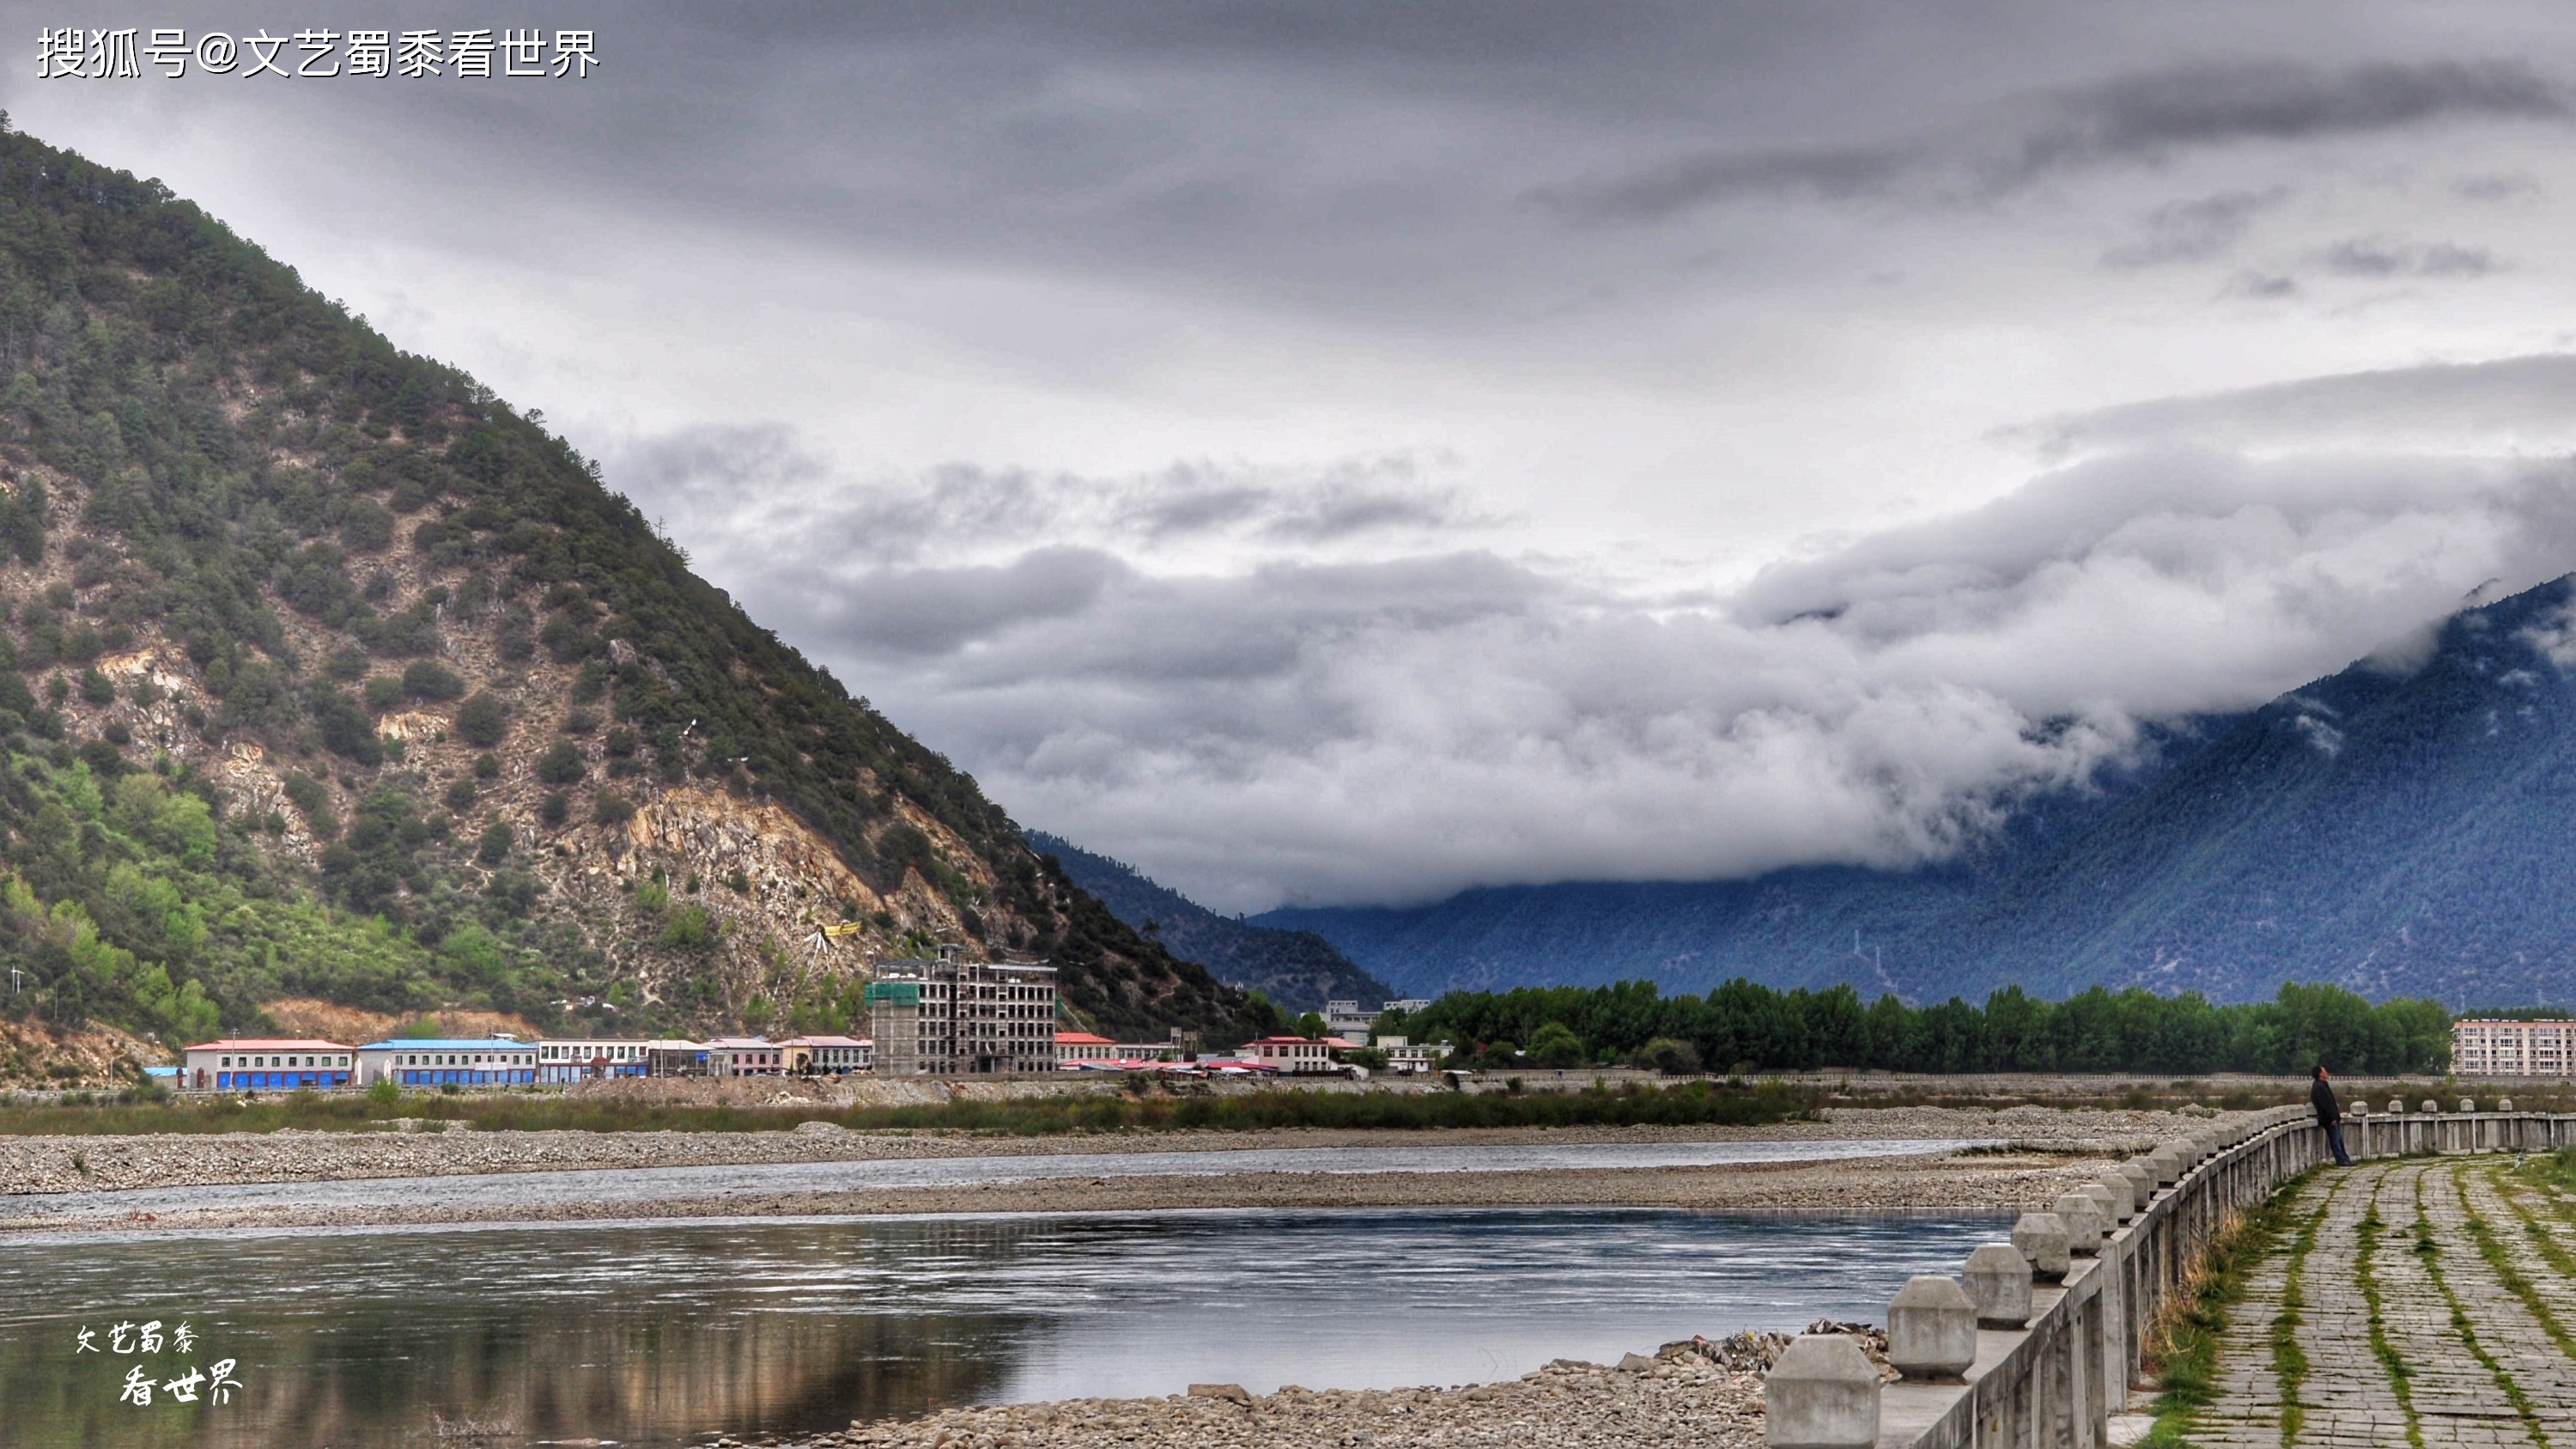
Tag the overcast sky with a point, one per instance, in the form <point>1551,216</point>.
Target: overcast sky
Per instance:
<point>1344,453</point>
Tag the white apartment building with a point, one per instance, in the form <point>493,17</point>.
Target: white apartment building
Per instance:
<point>1407,1058</point>
<point>1345,1019</point>
<point>1348,1019</point>
<point>2513,1048</point>
<point>579,1059</point>
<point>952,1016</point>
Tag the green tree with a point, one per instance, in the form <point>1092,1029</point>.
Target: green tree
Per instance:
<point>482,720</point>
<point>1556,1045</point>
<point>1671,1057</point>
<point>561,764</point>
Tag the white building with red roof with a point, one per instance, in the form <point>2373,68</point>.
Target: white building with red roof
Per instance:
<point>1289,1053</point>
<point>267,1064</point>
<point>1082,1046</point>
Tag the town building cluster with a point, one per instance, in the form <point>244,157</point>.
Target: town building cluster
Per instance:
<point>942,1017</point>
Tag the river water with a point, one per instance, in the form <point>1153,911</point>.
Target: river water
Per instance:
<point>661,1333</point>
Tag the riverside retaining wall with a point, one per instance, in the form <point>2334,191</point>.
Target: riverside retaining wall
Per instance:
<point>2055,1383</point>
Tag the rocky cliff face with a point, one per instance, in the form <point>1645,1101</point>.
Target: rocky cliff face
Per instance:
<point>333,678</point>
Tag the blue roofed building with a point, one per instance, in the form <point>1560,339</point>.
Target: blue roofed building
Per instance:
<point>497,1061</point>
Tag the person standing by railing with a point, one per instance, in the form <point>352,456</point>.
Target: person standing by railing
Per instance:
<point>2329,1115</point>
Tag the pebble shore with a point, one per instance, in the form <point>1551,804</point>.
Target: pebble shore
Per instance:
<point>55,1164</point>
<point>1674,1397</point>
<point>1906,1184</point>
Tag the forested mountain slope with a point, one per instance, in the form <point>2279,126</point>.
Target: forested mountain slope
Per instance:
<point>2406,833</point>
<point>1298,970</point>
<point>325,677</point>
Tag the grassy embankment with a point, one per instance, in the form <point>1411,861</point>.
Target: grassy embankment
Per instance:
<point>1688,1104</point>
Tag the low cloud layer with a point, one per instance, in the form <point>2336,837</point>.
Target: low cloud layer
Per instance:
<point>2507,404</point>
<point>1399,726</point>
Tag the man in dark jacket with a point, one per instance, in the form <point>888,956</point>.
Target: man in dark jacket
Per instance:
<point>2329,1116</point>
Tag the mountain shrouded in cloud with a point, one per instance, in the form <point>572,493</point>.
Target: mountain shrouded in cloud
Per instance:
<point>2398,828</point>
<point>1394,727</point>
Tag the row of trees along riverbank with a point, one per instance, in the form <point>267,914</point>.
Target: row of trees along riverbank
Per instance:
<point>1746,1025</point>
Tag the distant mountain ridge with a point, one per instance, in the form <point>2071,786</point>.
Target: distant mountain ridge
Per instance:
<point>2398,833</point>
<point>1297,970</point>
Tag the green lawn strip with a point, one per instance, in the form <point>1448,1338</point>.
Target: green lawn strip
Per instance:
<point>2367,1243</point>
<point>2430,1250</point>
<point>2184,1345</point>
<point>2289,1361</point>
<point>2520,1286</point>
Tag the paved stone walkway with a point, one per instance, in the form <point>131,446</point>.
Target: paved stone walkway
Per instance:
<point>2417,1304</point>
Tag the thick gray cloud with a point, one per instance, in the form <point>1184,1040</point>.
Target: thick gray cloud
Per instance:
<point>737,480</point>
<point>1395,729</point>
<point>1343,451</point>
<point>2124,120</point>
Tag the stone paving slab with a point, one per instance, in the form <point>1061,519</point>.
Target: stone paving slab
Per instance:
<point>2410,1335</point>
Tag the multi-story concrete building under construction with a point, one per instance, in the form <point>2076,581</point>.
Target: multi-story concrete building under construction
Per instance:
<point>943,1017</point>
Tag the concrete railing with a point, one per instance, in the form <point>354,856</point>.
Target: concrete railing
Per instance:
<point>2023,1362</point>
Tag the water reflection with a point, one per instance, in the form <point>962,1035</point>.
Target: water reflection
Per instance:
<point>655,1334</point>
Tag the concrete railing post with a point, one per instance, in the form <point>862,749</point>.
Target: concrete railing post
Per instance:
<point>1822,1394</point>
<point>2084,1225</point>
<point>1998,1278</point>
<point>2142,1182</point>
<point>1931,1329</point>
<point>2041,1240</point>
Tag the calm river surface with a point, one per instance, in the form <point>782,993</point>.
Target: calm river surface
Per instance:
<point>661,1333</point>
<point>653,1334</point>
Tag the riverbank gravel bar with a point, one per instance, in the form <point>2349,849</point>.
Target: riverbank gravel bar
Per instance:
<point>1666,1399</point>
<point>67,1163</point>
<point>106,1183</point>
